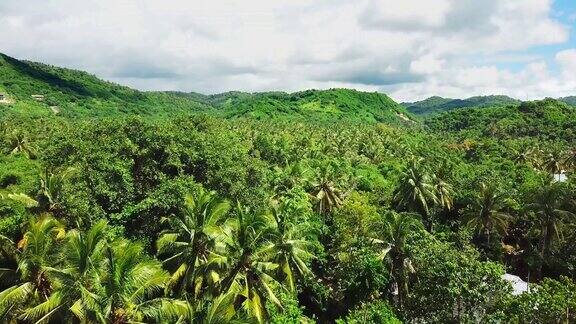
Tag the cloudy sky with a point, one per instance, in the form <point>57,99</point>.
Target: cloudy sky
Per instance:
<point>410,49</point>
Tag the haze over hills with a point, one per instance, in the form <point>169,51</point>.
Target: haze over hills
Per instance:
<point>571,100</point>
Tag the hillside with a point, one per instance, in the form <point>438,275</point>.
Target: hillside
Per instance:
<point>548,119</point>
<point>333,104</point>
<point>571,100</point>
<point>438,104</point>
<point>76,93</point>
<point>36,88</point>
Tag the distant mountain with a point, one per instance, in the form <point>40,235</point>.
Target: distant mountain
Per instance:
<point>38,88</point>
<point>438,104</point>
<point>317,104</point>
<point>548,119</point>
<point>569,100</point>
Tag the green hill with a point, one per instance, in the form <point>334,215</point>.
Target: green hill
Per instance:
<point>36,88</point>
<point>549,119</point>
<point>438,104</point>
<point>77,93</point>
<point>333,104</point>
<point>571,100</point>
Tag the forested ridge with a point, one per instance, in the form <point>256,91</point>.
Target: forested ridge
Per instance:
<point>324,206</point>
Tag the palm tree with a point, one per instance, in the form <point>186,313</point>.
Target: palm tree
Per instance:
<point>129,289</point>
<point>416,192</point>
<point>487,215</point>
<point>444,192</point>
<point>36,250</point>
<point>324,192</point>
<point>550,207</point>
<point>553,163</point>
<point>189,241</point>
<point>289,247</point>
<point>289,177</point>
<point>72,281</point>
<point>51,185</point>
<point>528,156</point>
<point>20,144</point>
<point>248,278</point>
<point>395,229</point>
<point>570,161</point>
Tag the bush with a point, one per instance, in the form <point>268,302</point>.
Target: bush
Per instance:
<point>376,312</point>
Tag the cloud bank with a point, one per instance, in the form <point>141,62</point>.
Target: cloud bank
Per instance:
<point>410,49</point>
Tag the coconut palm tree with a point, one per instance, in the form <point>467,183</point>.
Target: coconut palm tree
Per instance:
<point>189,242</point>
<point>78,272</point>
<point>130,289</point>
<point>416,192</point>
<point>553,163</point>
<point>324,192</point>
<point>570,161</point>
<point>444,192</point>
<point>36,250</point>
<point>51,185</point>
<point>248,278</point>
<point>395,229</point>
<point>19,144</point>
<point>289,247</point>
<point>528,156</point>
<point>487,215</point>
<point>292,175</point>
<point>551,207</point>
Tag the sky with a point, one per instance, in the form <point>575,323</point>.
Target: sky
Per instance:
<point>410,49</point>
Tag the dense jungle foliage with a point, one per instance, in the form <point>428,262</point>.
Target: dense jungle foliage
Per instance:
<point>320,206</point>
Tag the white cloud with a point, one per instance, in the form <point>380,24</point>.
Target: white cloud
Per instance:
<point>567,61</point>
<point>410,48</point>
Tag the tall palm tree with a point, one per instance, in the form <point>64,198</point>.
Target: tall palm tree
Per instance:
<point>289,247</point>
<point>189,242</point>
<point>444,192</point>
<point>395,230</point>
<point>551,207</point>
<point>82,255</point>
<point>248,278</point>
<point>36,250</point>
<point>487,214</point>
<point>416,192</point>
<point>324,192</point>
<point>130,288</point>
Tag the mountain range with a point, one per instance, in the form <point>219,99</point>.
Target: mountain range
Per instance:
<point>37,88</point>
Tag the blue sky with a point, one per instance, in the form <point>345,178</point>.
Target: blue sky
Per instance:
<point>565,12</point>
<point>409,49</point>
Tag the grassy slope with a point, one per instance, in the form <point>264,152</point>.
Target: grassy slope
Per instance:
<point>438,104</point>
<point>78,94</point>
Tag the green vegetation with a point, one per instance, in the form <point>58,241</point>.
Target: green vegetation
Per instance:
<point>571,100</point>
<point>73,93</point>
<point>317,206</point>
<point>438,104</point>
